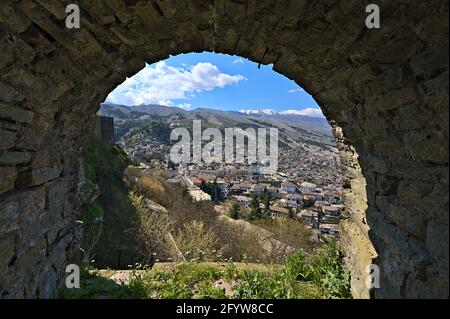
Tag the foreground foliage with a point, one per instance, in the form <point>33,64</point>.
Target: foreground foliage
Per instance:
<point>319,275</point>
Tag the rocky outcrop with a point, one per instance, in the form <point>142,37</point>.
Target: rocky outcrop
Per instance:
<point>386,89</point>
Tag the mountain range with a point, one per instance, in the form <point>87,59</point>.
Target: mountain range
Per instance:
<point>291,126</point>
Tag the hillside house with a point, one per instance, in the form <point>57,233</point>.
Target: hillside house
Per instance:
<point>321,203</point>
<point>289,187</point>
<point>223,187</point>
<point>258,189</point>
<point>309,217</point>
<point>274,192</point>
<point>244,200</point>
<point>329,229</point>
<point>307,187</point>
<point>294,200</point>
<point>313,197</point>
<point>240,188</point>
<point>331,210</point>
<point>198,195</point>
<point>277,211</point>
<point>332,197</point>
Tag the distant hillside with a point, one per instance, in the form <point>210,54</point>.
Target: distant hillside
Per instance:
<point>298,128</point>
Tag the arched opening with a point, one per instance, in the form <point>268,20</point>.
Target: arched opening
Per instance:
<point>211,211</point>
<point>53,79</point>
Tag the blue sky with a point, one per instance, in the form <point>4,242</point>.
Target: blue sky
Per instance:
<point>215,81</point>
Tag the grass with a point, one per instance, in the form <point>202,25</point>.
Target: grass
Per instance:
<point>94,286</point>
<point>317,276</point>
<point>290,231</point>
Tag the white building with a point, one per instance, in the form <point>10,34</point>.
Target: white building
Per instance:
<point>332,197</point>
<point>198,195</point>
<point>307,187</point>
<point>244,200</point>
<point>288,187</point>
<point>309,217</point>
<point>294,200</point>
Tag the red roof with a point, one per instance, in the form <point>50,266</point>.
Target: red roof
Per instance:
<point>197,180</point>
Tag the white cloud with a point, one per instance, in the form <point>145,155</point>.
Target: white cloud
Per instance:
<point>295,90</point>
<point>238,61</point>
<point>161,84</point>
<point>309,111</point>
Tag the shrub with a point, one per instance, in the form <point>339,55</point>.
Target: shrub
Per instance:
<point>196,241</point>
<point>91,212</point>
<point>290,231</point>
<point>153,228</point>
<point>323,267</point>
<point>153,188</point>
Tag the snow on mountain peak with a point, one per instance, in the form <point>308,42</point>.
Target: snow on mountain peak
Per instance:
<point>263,111</point>
<point>309,111</point>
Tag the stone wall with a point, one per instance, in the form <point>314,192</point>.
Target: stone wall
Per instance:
<point>385,91</point>
<point>107,129</point>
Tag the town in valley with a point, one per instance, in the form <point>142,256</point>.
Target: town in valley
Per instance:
<point>307,185</point>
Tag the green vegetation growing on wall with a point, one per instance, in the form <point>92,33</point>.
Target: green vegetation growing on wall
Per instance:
<point>104,165</point>
<point>103,162</point>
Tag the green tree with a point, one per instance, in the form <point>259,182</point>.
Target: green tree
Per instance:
<point>291,212</point>
<point>204,187</point>
<point>184,191</point>
<point>212,189</point>
<point>234,211</point>
<point>267,199</point>
<point>215,191</point>
<point>255,210</point>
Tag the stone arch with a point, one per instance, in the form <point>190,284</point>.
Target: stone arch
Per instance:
<point>384,90</point>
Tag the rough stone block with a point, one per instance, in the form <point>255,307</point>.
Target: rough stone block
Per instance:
<point>13,158</point>
<point>7,139</point>
<point>31,255</point>
<point>407,218</point>
<point>8,177</point>
<point>15,114</point>
<point>47,283</point>
<point>7,93</point>
<point>38,176</point>
<point>7,253</point>
<point>14,20</point>
<point>42,159</point>
<point>437,241</point>
<point>20,210</point>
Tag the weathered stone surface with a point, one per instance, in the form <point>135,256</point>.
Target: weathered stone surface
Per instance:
<point>385,91</point>
<point>8,177</point>
<point>436,246</point>
<point>47,283</point>
<point>7,249</point>
<point>7,94</point>
<point>38,176</point>
<point>21,208</point>
<point>13,158</point>
<point>7,139</point>
<point>15,114</point>
<point>44,159</point>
